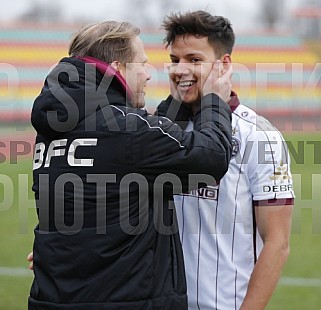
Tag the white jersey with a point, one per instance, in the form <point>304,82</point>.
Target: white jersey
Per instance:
<point>217,225</point>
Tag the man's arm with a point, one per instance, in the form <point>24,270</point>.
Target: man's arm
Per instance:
<point>204,151</point>
<point>274,225</point>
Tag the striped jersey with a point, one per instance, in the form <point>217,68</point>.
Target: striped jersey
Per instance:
<point>217,223</point>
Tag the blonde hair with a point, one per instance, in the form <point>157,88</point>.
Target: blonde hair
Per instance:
<point>107,41</point>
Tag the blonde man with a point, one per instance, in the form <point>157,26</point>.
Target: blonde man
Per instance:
<point>103,169</point>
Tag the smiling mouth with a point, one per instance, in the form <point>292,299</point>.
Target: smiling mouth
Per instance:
<point>186,84</point>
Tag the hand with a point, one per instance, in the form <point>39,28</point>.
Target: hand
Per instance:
<point>219,81</point>
<point>174,92</point>
<point>30,259</point>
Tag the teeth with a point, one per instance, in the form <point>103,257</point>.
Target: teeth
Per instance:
<point>186,83</point>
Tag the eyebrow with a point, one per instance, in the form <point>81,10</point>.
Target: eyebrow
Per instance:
<point>199,54</point>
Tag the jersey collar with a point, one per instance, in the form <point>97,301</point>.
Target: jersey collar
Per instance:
<point>234,102</point>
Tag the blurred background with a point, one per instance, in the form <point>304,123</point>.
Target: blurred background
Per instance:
<point>277,72</point>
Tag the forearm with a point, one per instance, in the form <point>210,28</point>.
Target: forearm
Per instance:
<point>265,276</point>
<point>211,137</point>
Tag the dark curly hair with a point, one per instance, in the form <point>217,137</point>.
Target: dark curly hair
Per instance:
<point>217,29</point>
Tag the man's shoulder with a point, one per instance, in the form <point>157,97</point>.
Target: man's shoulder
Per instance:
<point>247,120</point>
<point>245,114</point>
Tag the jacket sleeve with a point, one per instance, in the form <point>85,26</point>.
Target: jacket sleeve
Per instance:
<point>173,153</point>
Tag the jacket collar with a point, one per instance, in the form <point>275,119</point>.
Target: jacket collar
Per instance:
<point>105,68</point>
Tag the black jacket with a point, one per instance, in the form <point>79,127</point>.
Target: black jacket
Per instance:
<point>104,175</point>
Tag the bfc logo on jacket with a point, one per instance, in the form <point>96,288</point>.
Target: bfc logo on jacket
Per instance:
<point>56,148</point>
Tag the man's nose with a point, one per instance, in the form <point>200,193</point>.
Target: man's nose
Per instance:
<point>148,76</point>
<point>183,68</point>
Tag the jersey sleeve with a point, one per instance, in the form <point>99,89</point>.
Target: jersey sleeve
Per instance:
<point>269,166</point>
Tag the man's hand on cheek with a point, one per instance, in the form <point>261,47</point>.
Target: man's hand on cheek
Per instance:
<point>219,81</point>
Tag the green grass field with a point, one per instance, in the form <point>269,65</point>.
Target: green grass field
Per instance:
<point>304,260</point>
<point>300,287</point>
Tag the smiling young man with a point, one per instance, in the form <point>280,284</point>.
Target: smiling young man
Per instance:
<point>235,234</point>
<point>192,59</point>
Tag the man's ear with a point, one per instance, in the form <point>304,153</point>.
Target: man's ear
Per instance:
<point>116,65</point>
<point>119,67</point>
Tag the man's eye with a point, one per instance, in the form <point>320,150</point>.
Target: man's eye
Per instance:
<point>174,61</point>
<point>195,60</point>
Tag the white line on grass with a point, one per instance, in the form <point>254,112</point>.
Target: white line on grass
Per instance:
<point>15,272</point>
<point>287,281</point>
